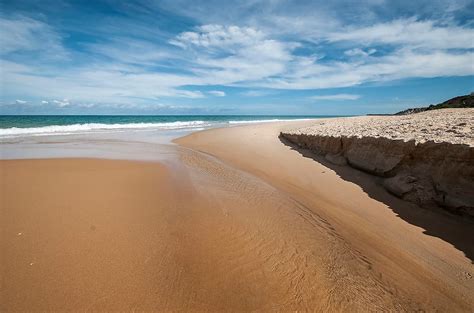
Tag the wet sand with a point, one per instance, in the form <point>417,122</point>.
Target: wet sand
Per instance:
<point>389,252</point>
<point>248,225</point>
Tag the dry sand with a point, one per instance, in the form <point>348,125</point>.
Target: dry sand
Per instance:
<point>261,228</point>
<point>454,126</point>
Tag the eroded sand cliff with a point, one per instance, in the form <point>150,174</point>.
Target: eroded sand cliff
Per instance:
<point>425,158</point>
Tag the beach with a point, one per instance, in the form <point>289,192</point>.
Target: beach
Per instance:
<point>250,156</point>
<point>226,219</point>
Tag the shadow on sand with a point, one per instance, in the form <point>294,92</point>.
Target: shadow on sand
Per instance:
<point>456,230</point>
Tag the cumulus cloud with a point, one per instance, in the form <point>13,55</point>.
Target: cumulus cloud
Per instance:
<point>231,55</point>
<point>341,96</point>
<point>217,93</point>
<point>218,36</point>
<point>294,48</point>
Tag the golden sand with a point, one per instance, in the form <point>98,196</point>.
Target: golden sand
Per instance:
<point>250,225</point>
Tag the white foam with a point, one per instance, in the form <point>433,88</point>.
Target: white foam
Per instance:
<point>100,127</point>
<point>80,128</point>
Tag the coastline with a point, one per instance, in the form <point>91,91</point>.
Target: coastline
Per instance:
<point>236,157</point>
<point>223,228</point>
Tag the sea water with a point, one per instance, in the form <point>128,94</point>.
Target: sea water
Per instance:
<point>142,137</point>
<point>37,125</point>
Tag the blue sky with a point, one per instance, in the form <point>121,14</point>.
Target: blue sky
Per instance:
<point>218,57</point>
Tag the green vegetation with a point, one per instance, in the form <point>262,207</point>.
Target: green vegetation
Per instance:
<point>466,101</point>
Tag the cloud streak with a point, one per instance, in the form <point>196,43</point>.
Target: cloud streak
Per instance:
<point>281,48</point>
<point>21,33</point>
<point>217,93</point>
<point>341,96</point>
<point>409,32</point>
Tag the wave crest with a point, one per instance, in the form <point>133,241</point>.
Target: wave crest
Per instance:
<point>77,128</point>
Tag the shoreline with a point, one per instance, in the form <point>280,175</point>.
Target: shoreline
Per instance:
<point>357,207</point>
<point>222,228</point>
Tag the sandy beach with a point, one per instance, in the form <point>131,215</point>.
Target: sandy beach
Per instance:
<point>240,222</point>
<point>407,251</point>
<point>236,156</point>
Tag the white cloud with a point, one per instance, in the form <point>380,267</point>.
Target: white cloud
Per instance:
<point>108,84</point>
<point>20,101</point>
<point>251,57</point>
<point>254,67</point>
<point>219,36</point>
<point>217,93</point>
<point>400,65</point>
<point>62,103</point>
<point>229,55</point>
<point>311,20</point>
<point>26,34</point>
<point>126,50</point>
<point>412,32</point>
<point>341,96</point>
<point>193,94</point>
<point>359,52</point>
<point>256,93</point>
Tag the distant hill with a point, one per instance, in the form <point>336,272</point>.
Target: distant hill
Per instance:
<point>466,101</point>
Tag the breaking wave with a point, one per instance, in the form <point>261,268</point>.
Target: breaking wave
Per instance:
<point>79,128</point>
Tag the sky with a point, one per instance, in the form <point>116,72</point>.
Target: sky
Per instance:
<point>224,57</point>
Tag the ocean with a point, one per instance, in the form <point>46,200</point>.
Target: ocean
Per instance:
<point>36,125</point>
<point>137,137</point>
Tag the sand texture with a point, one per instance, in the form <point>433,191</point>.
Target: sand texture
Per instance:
<point>241,222</point>
<point>373,251</point>
<point>455,126</point>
